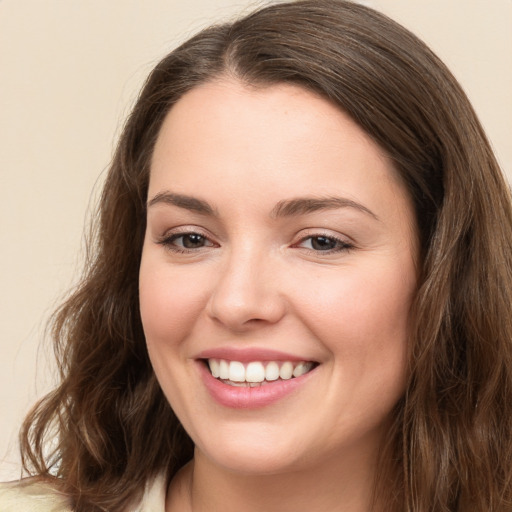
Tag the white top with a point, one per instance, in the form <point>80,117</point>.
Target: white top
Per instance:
<point>34,495</point>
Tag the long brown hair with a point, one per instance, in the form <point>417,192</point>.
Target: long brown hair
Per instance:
<point>450,447</point>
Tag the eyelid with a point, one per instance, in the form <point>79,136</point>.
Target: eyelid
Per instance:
<point>185,230</point>
<point>328,233</point>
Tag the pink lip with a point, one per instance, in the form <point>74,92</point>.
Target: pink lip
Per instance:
<point>245,355</point>
<point>246,397</point>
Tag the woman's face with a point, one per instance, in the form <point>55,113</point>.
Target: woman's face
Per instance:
<point>279,240</point>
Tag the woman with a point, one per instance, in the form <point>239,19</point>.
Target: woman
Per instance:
<point>300,293</point>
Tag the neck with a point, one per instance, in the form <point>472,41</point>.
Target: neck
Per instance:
<point>345,486</point>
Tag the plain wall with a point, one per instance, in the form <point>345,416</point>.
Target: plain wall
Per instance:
<point>69,72</point>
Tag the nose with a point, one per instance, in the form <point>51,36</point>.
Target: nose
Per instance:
<point>247,292</point>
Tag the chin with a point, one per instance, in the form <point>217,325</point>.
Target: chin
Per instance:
<point>254,455</point>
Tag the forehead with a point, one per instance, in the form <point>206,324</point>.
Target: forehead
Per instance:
<point>227,115</point>
<point>271,143</point>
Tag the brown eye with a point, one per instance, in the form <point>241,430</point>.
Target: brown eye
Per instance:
<point>185,242</point>
<point>191,241</point>
<point>323,243</point>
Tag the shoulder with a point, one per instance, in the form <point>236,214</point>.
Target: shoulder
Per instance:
<point>39,495</point>
<point>32,495</point>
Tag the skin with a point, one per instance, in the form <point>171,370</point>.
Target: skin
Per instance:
<point>257,279</point>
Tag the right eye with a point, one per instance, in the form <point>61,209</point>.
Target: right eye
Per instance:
<point>185,242</point>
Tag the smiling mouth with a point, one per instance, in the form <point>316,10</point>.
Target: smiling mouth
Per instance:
<point>257,373</point>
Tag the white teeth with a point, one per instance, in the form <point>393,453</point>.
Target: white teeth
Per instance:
<point>299,370</point>
<point>272,371</point>
<point>223,369</point>
<point>256,372</point>
<point>214,367</point>
<point>236,371</point>
<point>286,371</point>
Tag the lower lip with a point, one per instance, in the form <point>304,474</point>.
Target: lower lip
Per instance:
<point>241,397</point>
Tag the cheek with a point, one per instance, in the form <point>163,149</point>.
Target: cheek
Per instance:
<point>169,302</point>
<point>359,303</point>
<point>169,306</point>
<point>362,319</point>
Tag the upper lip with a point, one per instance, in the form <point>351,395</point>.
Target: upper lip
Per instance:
<point>248,354</point>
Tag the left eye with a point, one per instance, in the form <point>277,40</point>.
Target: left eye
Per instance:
<point>324,243</point>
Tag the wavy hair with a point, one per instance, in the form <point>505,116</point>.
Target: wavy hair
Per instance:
<point>108,424</point>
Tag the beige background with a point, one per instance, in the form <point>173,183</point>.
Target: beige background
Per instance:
<point>69,71</point>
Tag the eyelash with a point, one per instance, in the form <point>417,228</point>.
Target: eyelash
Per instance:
<point>168,242</point>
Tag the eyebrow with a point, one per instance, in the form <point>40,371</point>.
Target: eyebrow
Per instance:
<point>286,208</point>
<point>183,201</point>
<point>305,205</point>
